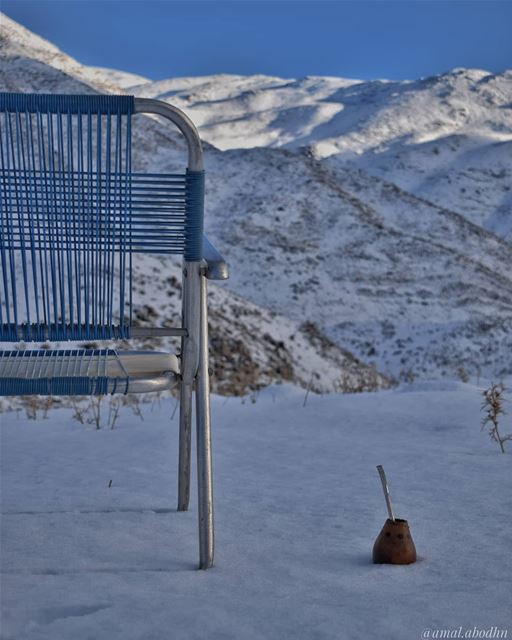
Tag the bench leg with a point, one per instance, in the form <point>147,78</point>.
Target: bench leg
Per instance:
<point>204,450</point>
<point>185,446</point>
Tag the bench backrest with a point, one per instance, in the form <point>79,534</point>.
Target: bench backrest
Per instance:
<point>72,213</point>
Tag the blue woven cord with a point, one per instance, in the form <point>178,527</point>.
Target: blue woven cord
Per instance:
<point>75,104</point>
<point>65,234</point>
<point>72,213</point>
<point>157,222</point>
<point>64,379</point>
<point>194,215</point>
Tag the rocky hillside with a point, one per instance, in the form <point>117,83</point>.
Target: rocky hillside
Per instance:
<point>446,138</point>
<point>251,346</point>
<point>339,205</point>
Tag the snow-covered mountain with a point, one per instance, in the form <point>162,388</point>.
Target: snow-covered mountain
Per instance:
<point>376,212</point>
<point>252,346</point>
<point>446,138</point>
<point>400,281</point>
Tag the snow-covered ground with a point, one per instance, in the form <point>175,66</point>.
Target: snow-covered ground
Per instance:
<point>379,212</point>
<point>298,506</point>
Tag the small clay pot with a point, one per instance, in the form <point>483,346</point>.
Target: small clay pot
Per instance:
<point>394,544</point>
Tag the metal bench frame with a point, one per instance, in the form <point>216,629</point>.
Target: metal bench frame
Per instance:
<point>194,370</point>
<point>194,353</point>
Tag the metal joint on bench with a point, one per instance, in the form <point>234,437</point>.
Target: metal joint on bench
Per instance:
<point>216,266</point>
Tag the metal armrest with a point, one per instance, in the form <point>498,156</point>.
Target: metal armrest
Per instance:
<point>216,266</point>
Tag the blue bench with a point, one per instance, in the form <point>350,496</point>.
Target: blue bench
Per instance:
<point>73,214</point>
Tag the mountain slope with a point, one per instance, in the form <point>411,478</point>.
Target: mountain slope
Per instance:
<point>391,276</point>
<point>446,138</point>
<point>252,346</point>
<point>412,287</point>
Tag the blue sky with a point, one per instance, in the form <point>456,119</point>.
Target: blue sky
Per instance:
<point>359,39</point>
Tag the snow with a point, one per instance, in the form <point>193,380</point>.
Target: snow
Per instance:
<point>354,253</point>
<point>445,138</point>
<point>298,506</point>
<point>351,115</point>
<point>123,79</point>
<point>381,214</point>
<point>380,211</point>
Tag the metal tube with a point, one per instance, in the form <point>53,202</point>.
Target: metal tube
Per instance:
<point>194,355</point>
<point>385,488</point>
<point>204,449</point>
<point>189,363</point>
<point>182,121</point>
<point>153,332</point>
<point>191,321</point>
<point>184,447</point>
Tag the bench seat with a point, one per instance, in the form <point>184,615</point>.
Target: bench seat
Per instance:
<point>86,371</point>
